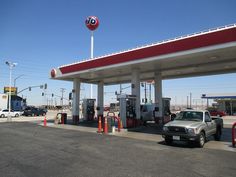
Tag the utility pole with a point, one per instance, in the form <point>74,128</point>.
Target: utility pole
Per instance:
<point>145,92</point>
<point>175,102</point>
<point>55,101</point>
<point>62,95</point>
<point>150,93</point>
<point>187,101</point>
<point>190,100</point>
<point>11,66</point>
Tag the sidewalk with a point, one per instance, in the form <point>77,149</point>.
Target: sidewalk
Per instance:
<point>211,144</point>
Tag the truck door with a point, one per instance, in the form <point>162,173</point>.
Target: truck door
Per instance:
<point>211,126</point>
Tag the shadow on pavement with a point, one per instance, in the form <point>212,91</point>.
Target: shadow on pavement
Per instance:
<point>150,128</point>
<point>92,124</point>
<point>180,144</point>
<point>153,128</point>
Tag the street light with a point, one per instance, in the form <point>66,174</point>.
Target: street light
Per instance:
<point>11,65</point>
<point>17,78</point>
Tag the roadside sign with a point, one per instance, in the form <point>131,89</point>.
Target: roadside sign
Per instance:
<point>13,90</point>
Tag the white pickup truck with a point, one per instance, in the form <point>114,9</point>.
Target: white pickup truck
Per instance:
<point>4,113</point>
<point>193,126</point>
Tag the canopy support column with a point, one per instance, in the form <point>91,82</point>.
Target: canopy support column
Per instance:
<point>158,95</point>
<point>76,101</point>
<point>100,98</point>
<point>136,91</point>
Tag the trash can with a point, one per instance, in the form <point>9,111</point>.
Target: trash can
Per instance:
<point>63,117</point>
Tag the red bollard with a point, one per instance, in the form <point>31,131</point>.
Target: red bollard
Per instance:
<point>119,124</point>
<point>99,124</point>
<point>233,134</point>
<point>105,126</point>
<point>45,122</point>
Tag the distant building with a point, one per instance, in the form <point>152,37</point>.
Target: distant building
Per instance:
<point>3,101</point>
<point>18,103</point>
<point>225,102</point>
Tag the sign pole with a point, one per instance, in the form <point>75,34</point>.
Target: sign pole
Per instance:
<point>92,23</point>
<point>91,85</point>
<point>9,103</point>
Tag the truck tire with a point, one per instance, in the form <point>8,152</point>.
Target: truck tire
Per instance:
<point>2,116</point>
<point>17,115</point>
<point>168,141</point>
<point>217,136</point>
<point>201,141</point>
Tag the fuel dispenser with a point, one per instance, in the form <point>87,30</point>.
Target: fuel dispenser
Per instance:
<point>88,109</point>
<point>165,116</point>
<point>127,109</point>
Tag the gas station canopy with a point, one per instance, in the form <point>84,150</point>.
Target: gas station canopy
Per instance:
<point>205,53</point>
<point>219,96</point>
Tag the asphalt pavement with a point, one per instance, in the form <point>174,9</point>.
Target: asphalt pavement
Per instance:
<point>28,149</point>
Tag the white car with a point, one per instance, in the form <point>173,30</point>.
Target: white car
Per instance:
<point>4,113</point>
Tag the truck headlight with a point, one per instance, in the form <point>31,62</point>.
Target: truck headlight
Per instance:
<point>192,130</point>
<point>165,128</point>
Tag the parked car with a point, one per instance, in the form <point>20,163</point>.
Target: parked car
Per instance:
<point>193,126</point>
<point>217,113</point>
<point>4,113</point>
<point>33,111</point>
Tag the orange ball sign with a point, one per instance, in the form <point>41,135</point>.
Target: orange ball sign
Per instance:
<point>92,22</point>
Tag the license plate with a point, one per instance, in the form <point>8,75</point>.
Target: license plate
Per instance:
<point>176,137</point>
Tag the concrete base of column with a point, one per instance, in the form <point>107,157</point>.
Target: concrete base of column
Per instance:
<point>75,120</point>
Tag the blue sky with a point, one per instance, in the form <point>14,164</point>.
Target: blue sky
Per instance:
<point>41,35</point>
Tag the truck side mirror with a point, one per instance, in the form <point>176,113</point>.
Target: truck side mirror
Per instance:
<point>207,120</point>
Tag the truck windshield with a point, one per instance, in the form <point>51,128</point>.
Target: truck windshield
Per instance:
<point>190,116</point>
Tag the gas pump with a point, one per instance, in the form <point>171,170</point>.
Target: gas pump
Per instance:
<point>130,107</point>
<point>165,116</point>
<point>127,109</point>
<point>166,110</point>
<point>88,109</point>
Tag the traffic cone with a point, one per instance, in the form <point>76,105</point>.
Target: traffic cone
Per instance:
<point>105,126</point>
<point>99,124</point>
<point>45,122</point>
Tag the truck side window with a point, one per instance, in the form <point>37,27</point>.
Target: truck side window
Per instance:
<point>207,117</point>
